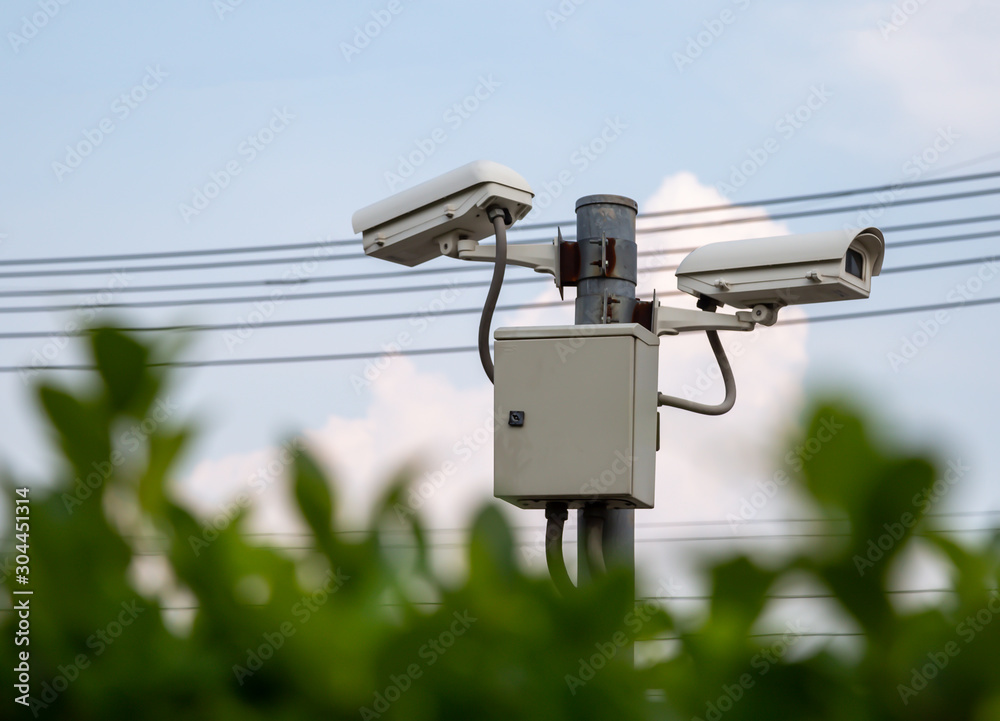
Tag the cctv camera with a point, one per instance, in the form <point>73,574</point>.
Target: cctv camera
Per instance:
<point>787,270</point>
<point>429,219</point>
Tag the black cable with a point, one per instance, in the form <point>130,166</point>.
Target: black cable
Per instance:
<point>973,302</point>
<point>529,226</point>
<point>430,271</point>
<point>894,244</point>
<point>406,289</point>
<point>180,266</point>
<point>555,518</point>
<point>219,285</point>
<point>703,539</point>
<point>729,383</point>
<point>794,198</point>
<point>335,320</point>
<point>262,298</point>
<point>465,349</point>
<point>498,216</point>
<point>594,516</point>
<point>472,268</point>
<point>939,223</point>
<point>639,231</point>
<point>653,524</point>
<point>820,211</point>
<point>992,259</point>
<point>183,253</point>
<point>434,351</point>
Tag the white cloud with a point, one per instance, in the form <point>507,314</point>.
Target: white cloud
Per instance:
<point>938,58</point>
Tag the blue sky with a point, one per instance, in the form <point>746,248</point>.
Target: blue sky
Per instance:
<point>303,111</point>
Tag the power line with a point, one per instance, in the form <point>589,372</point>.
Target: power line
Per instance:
<point>357,256</point>
<point>178,266</point>
<point>471,268</point>
<point>800,596</point>
<point>782,536</point>
<point>203,328</point>
<point>895,187</point>
<point>673,539</point>
<point>820,211</point>
<point>368,355</point>
<point>570,523</point>
<point>892,244</point>
<point>781,634</point>
<point>265,298</point>
<point>195,607</point>
<point>404,289</point>
<point>157,255</point>
<point>378,317</point>
<point>219,285</point>
<point>765,521</point>
<point>924,225</point>
<point>203,252</point>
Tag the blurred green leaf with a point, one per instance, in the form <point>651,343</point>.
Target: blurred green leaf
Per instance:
<point>121,361</point>
<point>313,495</point>
<point>364,625</point>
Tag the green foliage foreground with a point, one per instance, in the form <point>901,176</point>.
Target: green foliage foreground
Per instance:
<point>339,630</point>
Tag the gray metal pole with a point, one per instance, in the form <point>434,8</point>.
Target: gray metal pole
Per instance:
<point>605,293</point>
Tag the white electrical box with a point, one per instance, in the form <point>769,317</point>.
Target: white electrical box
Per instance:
<point>576,415</point>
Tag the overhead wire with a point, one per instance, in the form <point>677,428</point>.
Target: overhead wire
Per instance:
<point>171,303</point>
<point>829,195</point>
<point>367,355</point>
<point>303,278</point>
<point>349,242</point>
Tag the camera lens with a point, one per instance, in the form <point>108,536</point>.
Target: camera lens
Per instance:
<point>854,264</point>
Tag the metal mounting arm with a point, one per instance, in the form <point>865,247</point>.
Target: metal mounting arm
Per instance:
<point>671,321</point>
<point>540,257</point>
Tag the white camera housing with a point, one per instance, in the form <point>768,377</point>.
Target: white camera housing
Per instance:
<point>429,219</point>
<point>786,270</point>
